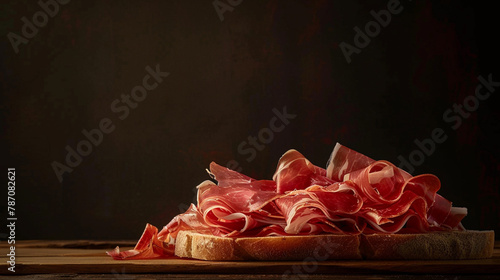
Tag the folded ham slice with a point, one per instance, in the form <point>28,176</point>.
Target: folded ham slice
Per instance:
<point>295,172</point>
<point>354,194</point>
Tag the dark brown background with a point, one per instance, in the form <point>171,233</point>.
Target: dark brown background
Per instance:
<point>225,79</point>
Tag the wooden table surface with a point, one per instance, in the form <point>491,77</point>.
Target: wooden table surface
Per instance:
<point>87,260</point>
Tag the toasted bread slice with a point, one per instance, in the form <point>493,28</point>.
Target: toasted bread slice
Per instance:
<point>454,245</point>
<point>276,248</point>
<point>423,246</point>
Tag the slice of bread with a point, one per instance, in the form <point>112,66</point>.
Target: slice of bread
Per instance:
<point>424,246</point>
<point>453,245</point>
<point>277,248</point>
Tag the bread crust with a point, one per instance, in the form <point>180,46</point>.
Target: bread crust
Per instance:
<point>273,248</point>
<point>423,246</point>
<point>453,245</point>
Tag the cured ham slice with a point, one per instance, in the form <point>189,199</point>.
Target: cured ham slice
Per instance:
<point>333,204</point>
<point>409,222</point>
<point>354,194</point>
<point>295,172</point>
<point>439,211</point>
<point>380,182</point>
<point>239,195</point>
<point>343,161</point>
<point>227,177</point>
<point>189,220</point>
<point>149,246</point>
<point>237,203</point>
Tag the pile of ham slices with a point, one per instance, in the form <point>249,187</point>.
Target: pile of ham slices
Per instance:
<point>354,194</point>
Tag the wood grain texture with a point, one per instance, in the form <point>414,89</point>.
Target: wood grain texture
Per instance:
<point>250,277</point>
<point>44,257</point>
